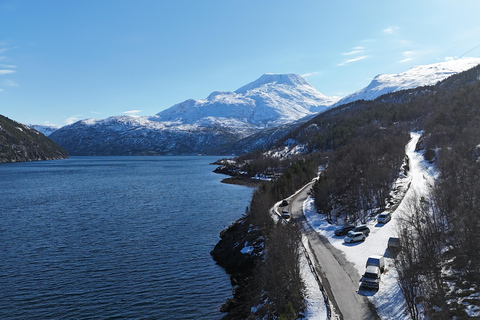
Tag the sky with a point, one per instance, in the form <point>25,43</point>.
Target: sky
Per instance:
<point>64,61</point>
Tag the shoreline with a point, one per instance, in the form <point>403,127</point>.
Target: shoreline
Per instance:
<point>242,181</point>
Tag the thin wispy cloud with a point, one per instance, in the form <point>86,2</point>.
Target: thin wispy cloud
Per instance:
<point>4,71</point>
<point>133,113</point>
<point>9,83</point>
<point>72,119</point>
<point>390,30</point>
<point>352,60</point>
<point>407,56</point>
<point>355,50</point>
<point>5,68</point>
<point>310,74</point>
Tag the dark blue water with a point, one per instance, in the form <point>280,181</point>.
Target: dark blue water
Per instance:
<point>114,238</point>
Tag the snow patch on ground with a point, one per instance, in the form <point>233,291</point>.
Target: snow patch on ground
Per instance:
<point>247,249</point>
<point>316,308</point>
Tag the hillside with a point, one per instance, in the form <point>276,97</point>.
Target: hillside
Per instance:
<point>360,147</point>
<point>419,76</point>
<point>21,143</point>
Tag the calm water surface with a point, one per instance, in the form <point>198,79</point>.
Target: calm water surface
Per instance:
<point>114,238</point>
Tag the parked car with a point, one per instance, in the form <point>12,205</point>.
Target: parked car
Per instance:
<point>384,217</point>
<point>284,203</point>
<point>285,214</point>
<point>376,261</point>
<point>394,244</point>
<point>371,277</point>
<point>354,237</point>
<point>364,229</point>
<point>343,230</point>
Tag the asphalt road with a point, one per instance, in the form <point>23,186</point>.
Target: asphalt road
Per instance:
<point>339,277</point>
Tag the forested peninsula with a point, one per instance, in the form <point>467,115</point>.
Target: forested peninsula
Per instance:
<point>19,143</point>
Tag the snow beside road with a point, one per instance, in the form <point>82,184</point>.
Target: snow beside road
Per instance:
<point>388,299</point>
<point>316,308</point>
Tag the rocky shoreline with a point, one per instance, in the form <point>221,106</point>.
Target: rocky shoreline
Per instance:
<point>238,252</point>
<point>228,167</point>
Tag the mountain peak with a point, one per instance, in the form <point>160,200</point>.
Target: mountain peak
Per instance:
<point>289,79</point>
<point>422,75</point>
<point>272,99</point>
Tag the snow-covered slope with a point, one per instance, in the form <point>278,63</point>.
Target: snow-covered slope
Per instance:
<point>45,129</point>
<point>197,126</point>
<point>418,76</point>
<point>271,100</point>
<point>124,135</point>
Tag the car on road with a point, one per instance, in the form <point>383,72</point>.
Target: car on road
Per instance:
<point>363,229</point>
<point>384,217</point>
<point>343,230</point>
<point>371,277</point>
<point>354,237</point>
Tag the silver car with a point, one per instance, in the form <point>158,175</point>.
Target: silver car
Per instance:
<point>354,237</point>
<point>384,217</point>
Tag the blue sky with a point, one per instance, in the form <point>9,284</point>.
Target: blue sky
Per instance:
<point>62,61</point>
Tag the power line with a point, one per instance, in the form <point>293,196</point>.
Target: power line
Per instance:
<point>456,46</point>
<point>477,46</point>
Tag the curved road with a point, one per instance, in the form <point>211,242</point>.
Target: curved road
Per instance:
<point>339,277</point>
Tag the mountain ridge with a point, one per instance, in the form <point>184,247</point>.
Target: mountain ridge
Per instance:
<point>272,99</point>
<point>418,76</point>
<point>197,126</point>
<point>226,119</point>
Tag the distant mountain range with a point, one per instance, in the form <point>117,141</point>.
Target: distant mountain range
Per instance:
<point>43,128</point>
<point>233,122</point>
<point>199,126</point>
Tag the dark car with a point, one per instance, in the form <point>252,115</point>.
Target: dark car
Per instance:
<point>285,214</point>
<point>363,229</point>
<point>343,230</point>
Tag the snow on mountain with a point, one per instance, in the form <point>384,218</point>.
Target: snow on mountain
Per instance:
<point>125,135</point>
<point>418,76</point>
<point>46,129</point>
<point>224,118</point>
<point>198,126</point>
<point>271,100</point>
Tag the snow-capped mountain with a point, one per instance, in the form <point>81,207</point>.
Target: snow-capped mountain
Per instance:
<point>271,100</point>
<point>45,128</point>
<point>197,126</point>
<point>424,75</point>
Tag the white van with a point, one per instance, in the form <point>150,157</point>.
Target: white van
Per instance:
<point>376,261</point>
